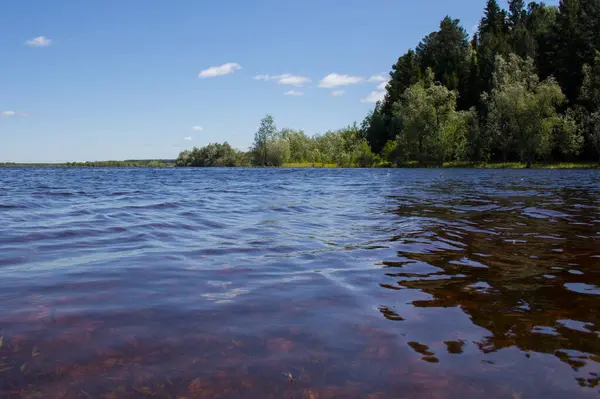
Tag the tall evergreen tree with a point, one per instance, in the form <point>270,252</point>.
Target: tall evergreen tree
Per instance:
<point>590,89</point>
<point>521,41</point>
<point>493,20</point>
<point>540,25</point>
<point>526,117</point>
<point>377,127</point>
<point>405,72</point>
<point>590,21</point>
<point>470,96</point>
<point>492,42</point>
<point>376,130</point>
<point>569,47</point>
<point>448,54</point>
<point>516,12</point>
<point>589,113</point>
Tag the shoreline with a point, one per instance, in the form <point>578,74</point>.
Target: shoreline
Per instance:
<point>447,165</point>
<point>465,165</point>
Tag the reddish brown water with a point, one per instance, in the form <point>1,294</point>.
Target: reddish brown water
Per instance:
<point>299,284</point>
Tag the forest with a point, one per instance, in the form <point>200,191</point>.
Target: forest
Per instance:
<point>525,87</point>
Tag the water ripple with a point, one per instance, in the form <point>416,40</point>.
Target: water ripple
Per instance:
<point>356,283</point>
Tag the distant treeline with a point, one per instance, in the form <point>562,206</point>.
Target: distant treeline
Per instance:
<point>149,163</point>
<point>524,88</point>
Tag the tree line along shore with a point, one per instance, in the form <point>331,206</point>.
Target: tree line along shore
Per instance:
<point>521,91</point>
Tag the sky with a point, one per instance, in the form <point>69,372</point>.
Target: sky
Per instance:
<point>146,79</point>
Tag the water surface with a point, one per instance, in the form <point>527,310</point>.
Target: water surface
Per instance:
<point>249,283</point>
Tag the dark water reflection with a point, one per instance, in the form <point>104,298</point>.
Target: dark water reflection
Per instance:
<point>299,283</point>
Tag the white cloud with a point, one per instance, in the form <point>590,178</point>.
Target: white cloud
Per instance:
<point>334,80</point>
<point>220,70</point>
<point>293,80</point>
<point>378,78</point>
<point>382,85</point>
<point>293,93</point>
<point>197,128</point>
<point>40,41</point>
<point>374,96</point>
<point>188,138</point>
<point>12,113</point>
<point>337,93</point>
<point>285,79</point>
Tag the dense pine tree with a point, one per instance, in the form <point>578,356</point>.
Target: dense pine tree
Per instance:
<point>540,22</point>
<point>516,12</point>
<point>376,127</point>
<point>446,52</point>
<point>589,110</point>
<point>494,19</point>
<point>590,22</point>
<point>569,47</point>
<point>493,41</point>
<point>405,72</point>
<point>550,110</point>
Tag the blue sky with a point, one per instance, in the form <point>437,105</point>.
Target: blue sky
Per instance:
<point>122,79</point>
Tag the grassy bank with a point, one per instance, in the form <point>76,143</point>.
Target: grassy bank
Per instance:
<point>518,165</point>
<point>467,165</point>
<point>309,165</point>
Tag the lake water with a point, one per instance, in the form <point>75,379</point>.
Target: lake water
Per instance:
<point>251,283</point>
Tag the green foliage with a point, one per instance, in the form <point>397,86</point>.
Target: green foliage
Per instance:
<point>278,152</point>
<point>302,148</point>
<point>151,163</point>
<point>590,20</point>
<point>593,131</point>
<point>588,109</point>
<point>526,88</point>
<point>263,140</point>
<point>493,41</point>
<point>363,156</point>
<point>375,125</point>
<point>494,19</point>
<point>446,52</point>
<point>392,153</point>
<point>540,21</point>
<point>589,96</point>
<point>345,148</point>
<point>516,12</point>
<point>456,134</point>
<point>522,111</point>
<point>569,47</point>
<point>522,42</point>
<point>214,154</point>
<point>430,128</point>
<point>568,137</point>
<point>405,73</point>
